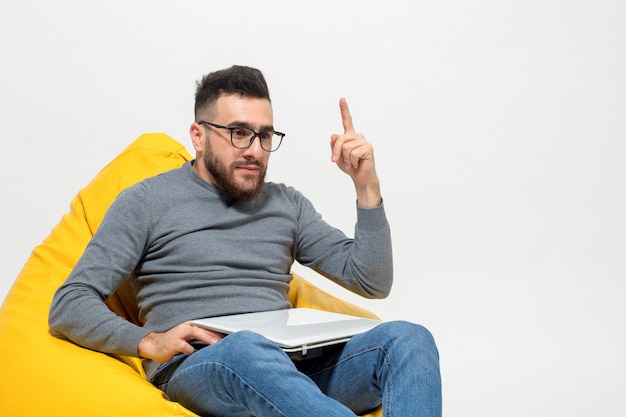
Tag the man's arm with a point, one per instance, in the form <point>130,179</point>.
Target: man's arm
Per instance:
<point>78,311</point>
<point>364,264</point>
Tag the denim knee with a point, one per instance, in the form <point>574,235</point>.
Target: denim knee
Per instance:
<point>246,340</point>
<point>249,349</point>
<point>406,336</point>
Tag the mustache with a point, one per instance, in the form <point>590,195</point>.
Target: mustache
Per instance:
<point>248,162</point>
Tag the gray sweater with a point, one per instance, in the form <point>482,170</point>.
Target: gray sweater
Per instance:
<point>193,252</point>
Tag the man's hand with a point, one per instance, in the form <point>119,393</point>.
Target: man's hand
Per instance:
<point>354,155</point>
<point>162,347</point>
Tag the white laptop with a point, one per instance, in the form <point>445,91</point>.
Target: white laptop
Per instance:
<point>297,330</point>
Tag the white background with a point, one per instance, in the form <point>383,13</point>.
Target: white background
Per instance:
<point>499,129</point>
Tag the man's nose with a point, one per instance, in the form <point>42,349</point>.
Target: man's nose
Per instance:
<point>255,146</point>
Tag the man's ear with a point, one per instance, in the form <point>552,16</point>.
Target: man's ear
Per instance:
<point>196,133</point>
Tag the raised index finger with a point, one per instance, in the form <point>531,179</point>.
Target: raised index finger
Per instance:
<point>346,118</point>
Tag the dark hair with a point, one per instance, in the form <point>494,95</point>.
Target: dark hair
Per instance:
<point>240,80</point>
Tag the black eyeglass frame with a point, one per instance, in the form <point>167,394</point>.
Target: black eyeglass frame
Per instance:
<point>254,136</point>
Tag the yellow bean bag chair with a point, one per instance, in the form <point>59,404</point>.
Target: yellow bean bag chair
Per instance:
<point>45,376</point>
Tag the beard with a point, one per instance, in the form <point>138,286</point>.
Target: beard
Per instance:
<point>224,177</point>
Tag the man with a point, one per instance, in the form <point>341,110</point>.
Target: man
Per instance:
<point>213,238</point>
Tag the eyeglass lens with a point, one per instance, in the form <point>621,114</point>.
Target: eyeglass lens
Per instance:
<point>242,137</point>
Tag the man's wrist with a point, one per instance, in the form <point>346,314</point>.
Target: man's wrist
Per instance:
<point>143,348</point>
<point>368,196</point>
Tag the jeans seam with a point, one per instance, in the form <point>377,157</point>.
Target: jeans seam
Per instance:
<point>366,349</point>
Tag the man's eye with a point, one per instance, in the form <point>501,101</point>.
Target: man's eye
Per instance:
<point>241,133</point>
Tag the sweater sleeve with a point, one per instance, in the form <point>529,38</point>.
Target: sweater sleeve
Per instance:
<point>78,311</point>
<point>363,264</point>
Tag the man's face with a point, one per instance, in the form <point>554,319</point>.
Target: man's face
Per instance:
<point>240,173</point>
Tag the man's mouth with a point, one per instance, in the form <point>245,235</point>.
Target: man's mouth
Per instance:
<point>250,167</point>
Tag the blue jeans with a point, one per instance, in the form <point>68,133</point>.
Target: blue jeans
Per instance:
<point>396,364</point>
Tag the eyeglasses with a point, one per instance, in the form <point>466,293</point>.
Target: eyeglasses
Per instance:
<point>242,137</point>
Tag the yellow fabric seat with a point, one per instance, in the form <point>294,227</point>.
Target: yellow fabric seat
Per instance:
<point>45,376</point>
